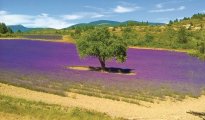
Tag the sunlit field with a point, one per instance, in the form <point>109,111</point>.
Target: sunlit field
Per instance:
<point>102,60</point>
<point>44,66</point>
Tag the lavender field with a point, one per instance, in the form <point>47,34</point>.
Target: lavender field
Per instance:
<point>43,66</point>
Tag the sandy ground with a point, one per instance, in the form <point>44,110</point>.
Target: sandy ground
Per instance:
<point>165,110</point>
<point>150,48</point>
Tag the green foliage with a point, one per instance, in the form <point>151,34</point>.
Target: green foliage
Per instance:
<point>176,35</point>
<point>175,21</point>
<point>148,38</point>
<point>3,28</point>
<point>5,31</point>
<point>186,18</point>
<point>130,36</point>
<point>46,31</point>
<point>198,16</point>
<point>8,35</point>
<point>201,43</point>
<point>19,31</point>
<point>78,29</point>
<point>170,22</point>
<point>76,33</point>
<point>170,32</point>
<point>202,47</point>
<point>82,27</point>
<point>182,35</point>
<point>9,30</point>
<point>133,23</point>
<point>100,43</point>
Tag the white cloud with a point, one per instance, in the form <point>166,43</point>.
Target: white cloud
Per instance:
<point>203,11</point>
<point>170,2</point>
<point>122,9</point>
<point>162,10</point>
<point>45,20</point>
<point>41,20</point>
<point>72,17</point>
<point>13,19</point>
<point>44,14</point>
<point>181,8</point>
<point>83,15</point>
<point>159,5</point>
<point>2,12</point>
<point>50,22</point>
<point>168,9</point>
<point>100,12</point>
<point>97,16</point>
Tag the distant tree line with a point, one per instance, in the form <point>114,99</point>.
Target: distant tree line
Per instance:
<point>133,23</point>
<point>195,16</point>
<point>78,29</point>
<point>198,16</point>
<point>181,38</point>
<point>4,29</point>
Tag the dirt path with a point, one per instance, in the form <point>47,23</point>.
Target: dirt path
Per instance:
<point>163,111</point>
<point>151,48</point>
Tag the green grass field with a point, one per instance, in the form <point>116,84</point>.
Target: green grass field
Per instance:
<point>42,111</point>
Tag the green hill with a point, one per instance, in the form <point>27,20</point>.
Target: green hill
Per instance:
<point>113,23</point>
<point>15,28</point>
<point>196,22</point>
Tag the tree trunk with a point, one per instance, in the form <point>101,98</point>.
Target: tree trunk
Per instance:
<point>102,63</point>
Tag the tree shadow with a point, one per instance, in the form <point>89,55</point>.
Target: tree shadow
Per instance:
<point>113,70</point>
<point>199,114</point>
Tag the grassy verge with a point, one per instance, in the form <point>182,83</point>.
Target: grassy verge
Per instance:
<point>196,53</point>
<point>43,111</point>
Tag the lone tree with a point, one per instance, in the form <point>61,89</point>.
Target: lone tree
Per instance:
<point>100,43</point>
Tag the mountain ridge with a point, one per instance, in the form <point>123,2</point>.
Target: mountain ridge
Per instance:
<point>114,23</point>
<point>22,28</point>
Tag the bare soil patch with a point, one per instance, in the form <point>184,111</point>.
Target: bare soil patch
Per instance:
<point>150,48</point>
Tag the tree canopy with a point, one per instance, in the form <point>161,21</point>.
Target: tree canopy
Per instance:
<point>182,35</point>
<point>4,29</point>
<point>100,43</point>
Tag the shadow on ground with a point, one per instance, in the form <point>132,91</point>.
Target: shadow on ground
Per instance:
<point>199,114</point>
<point>112,70</point>
<point>125,71</point>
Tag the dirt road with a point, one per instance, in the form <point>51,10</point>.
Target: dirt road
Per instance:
<point>165,110</point>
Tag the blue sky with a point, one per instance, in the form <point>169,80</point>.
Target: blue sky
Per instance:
<point>64,13</point>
